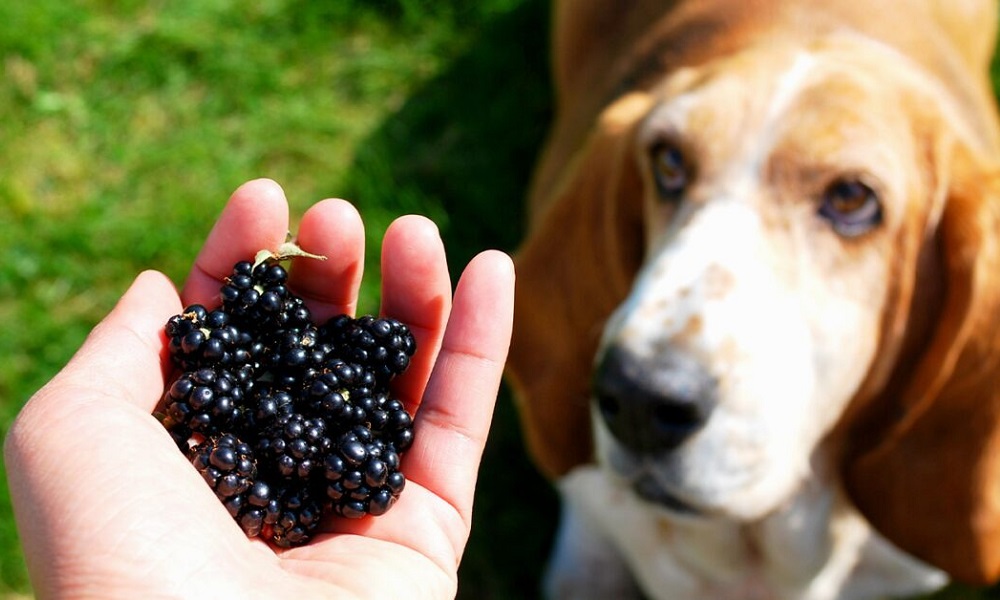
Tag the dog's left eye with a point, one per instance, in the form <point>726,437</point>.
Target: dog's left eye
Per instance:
<point>851,207</point>
<point>670,170</point>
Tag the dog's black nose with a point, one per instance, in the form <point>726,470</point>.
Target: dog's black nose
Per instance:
<point>653,404</point>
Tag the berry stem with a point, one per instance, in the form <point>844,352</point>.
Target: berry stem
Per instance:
<point>285,251</point>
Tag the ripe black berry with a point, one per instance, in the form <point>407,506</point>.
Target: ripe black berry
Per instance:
<point>264,406</point>
<point>200,338</point>
<point>292,517</point>
<point>204,401</point>
<point>362,476</point>
<point>383,345</point>
<point>287,420</point>
<point>294,445</point>
<point>229,468</point>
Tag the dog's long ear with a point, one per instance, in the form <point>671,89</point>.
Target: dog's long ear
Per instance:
<point>928,477</point>
<point>574,268</point>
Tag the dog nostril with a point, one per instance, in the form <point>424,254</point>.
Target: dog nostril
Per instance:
<point>672,417</point>
<point>608,406</point>
<point>652,405</point>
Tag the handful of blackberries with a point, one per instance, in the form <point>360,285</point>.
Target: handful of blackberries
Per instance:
<point>285,419</point>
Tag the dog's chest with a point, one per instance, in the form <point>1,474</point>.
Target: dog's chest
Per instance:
<point>816,548</point>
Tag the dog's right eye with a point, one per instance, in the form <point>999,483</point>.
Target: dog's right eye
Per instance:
<point>670,170</point>
<point>851,207</point>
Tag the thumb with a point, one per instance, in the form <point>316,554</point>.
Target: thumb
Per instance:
<point>94,479</point>
<point>125,354</point>
<point>119,366</point>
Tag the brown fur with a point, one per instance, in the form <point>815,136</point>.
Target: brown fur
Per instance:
<point>925,470</point>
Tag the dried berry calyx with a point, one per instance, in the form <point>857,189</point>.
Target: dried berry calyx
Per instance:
<point>286,419</point>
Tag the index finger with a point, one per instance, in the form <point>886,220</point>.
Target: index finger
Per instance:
<point>256,217</point>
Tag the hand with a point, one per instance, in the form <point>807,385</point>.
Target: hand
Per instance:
<point>106,505</point>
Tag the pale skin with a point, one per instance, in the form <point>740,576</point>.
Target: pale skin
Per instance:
<point>106,505</point>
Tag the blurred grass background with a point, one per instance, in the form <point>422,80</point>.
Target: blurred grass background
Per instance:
<point>126,124</point>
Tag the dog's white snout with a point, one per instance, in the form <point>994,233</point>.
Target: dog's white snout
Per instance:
<point>707,287</point>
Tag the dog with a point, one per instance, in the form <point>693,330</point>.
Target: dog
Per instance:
<point>756,328</point>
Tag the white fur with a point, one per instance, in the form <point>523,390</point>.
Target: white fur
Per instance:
<point>816,547</point>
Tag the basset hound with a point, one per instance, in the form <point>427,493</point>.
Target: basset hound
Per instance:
<point>757,338</point>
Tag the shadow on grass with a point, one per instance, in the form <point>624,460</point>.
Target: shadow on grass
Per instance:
<point>460,151</point>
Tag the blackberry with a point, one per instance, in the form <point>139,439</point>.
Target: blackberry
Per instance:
<point>294,445</point>
<point>362,476</point>
<point>253,514</point>
<point>291,517</point>
<point>272,277</point>
<point>179,326</point>
<point>205,401</point>
<point>199,338</point>
<point>228,466</point>
<point>264,407</point>
<point>295,313</point>
<point>258,295</point>
<point>394,423</point>
<point>338,392</point>
<point>381,344</point>
<point>336,375</point>
<point>284,419</point>
<point>294,353</point>
<point>239,294</point>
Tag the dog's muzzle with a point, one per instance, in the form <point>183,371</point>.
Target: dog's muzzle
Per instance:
<point>652,405</point>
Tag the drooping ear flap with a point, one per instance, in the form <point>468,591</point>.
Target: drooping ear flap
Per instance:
<point>928,478</point>
<point>573,269</point>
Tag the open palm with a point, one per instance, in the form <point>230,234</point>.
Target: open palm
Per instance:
<point>106,505</point>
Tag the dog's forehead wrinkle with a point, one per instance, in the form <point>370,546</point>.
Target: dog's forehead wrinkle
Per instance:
<point>788,87</point>
<point>789,84</point>
<point>753,118</point>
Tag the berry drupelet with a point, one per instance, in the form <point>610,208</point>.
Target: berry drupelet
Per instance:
<point>287,420</point>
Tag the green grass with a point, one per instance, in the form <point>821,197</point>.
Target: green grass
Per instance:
<point>126,125</point>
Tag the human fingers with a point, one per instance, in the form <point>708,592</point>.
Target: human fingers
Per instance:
<point>416,290</point>
<point>453,422</point>
<point>255,218</point>
<point>331,228</point>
